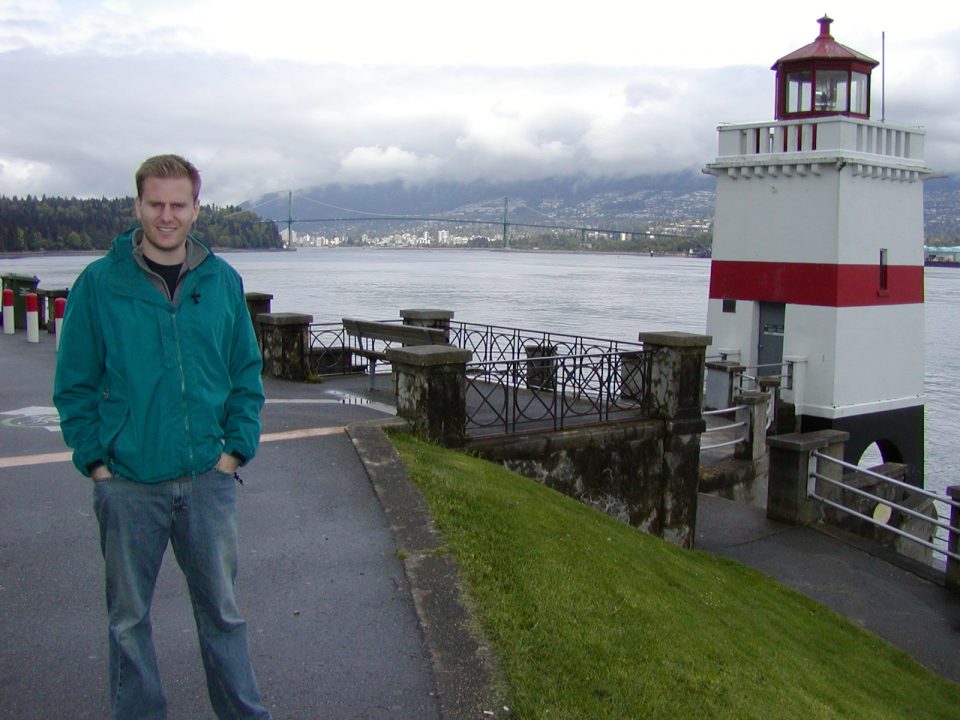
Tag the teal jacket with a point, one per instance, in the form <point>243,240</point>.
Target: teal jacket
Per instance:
<point>156,387</point>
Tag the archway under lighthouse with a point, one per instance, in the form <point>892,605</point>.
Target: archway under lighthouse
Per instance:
<point>897,435</point>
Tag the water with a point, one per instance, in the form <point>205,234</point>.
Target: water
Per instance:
<point>600,295</point>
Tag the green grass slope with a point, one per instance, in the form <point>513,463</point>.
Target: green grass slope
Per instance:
<point>593,619</point>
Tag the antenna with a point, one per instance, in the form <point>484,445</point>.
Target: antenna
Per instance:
<point>883,76</point>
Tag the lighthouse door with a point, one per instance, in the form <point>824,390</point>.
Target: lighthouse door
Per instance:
<point>770,345</point>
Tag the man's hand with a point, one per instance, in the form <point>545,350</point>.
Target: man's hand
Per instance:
<point>101,472</point>
<point>227,463</point>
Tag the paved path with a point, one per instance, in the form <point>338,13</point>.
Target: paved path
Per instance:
<point>334,633</point>
<point>907,610</point>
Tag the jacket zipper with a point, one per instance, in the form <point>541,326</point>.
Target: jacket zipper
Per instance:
<point>183,395</point>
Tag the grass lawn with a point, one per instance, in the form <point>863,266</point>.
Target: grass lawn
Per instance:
<point>593,619</point>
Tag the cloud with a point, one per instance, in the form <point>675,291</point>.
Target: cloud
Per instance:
<point>79,118</point>
<point>377,164</point>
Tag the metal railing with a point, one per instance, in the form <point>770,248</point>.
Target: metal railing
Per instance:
<point>553,392</point>
<point>783,370</point>
<point>913,489</point>
<point>329,351</point>
<point>330,347</point>
<point>723,428</point>
<point>497,343</point>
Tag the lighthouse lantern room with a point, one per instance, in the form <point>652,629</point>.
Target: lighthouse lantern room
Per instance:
<point>817,267</point>
<point>823,78</point>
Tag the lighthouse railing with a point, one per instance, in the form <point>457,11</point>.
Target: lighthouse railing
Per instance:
<point>837,133</point>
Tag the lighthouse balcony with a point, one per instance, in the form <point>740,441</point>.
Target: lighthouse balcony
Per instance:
<point>804,146</point>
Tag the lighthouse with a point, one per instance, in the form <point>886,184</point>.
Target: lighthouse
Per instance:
<point>817,268</point>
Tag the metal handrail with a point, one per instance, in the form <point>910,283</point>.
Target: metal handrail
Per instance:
<point>899,483</point>
<point>884,501</point>
<point>723,410</point>
<point>811,492</point>
<point>718,428</point>
<point>897,531</point>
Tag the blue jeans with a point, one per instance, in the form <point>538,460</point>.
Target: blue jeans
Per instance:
<point>198,517</point>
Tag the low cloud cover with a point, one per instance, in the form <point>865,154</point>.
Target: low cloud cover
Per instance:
<point>77,118</point>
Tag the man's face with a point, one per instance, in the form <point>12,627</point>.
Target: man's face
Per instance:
<point>166,210</point>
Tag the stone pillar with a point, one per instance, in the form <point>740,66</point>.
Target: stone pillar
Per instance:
<point>782,422</point>
<point>430,386</point>
<point>674,394</point>
<point>791,462</point>
<point>285,344</point>
<point>953,541</point>
<point>721,376</point>
<point>257,304</point>
<point>754,415</point>
<point>429,318</point>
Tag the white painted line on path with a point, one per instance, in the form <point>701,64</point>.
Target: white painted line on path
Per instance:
<point>47,458</point>
<point>23,460</point>
<point>297,434</point>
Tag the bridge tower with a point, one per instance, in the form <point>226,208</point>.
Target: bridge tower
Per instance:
<point>817,270</point>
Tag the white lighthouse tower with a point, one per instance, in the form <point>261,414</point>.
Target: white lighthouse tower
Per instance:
<point>817,270</point>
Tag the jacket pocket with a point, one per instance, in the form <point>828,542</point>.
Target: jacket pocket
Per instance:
<point>114,419</point>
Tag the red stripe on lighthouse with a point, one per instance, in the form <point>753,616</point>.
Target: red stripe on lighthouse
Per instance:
<point>815,283</point>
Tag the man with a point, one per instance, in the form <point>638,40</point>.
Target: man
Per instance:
<point>159,392</point>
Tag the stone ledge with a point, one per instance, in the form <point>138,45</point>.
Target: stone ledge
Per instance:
<point>426,314</point>
<point>428,355</point>
<point>464,663</point>
<point>806,442</point>
<point>284,319</point>
<point>675,338</point>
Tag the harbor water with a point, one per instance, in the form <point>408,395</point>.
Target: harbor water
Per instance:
<point>596,294</point>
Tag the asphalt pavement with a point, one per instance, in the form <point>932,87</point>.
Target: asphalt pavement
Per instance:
<point>334,631</point>
<point>352,612</point>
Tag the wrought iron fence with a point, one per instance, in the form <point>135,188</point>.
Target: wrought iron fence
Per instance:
<point>554,391</point>
<point>490,343</point>
<point>330,349</point>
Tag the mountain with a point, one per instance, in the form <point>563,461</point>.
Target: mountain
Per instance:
<point>574,200</point>
<point>633,203</point>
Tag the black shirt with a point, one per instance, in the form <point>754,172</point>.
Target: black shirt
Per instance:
<point>169,273</point>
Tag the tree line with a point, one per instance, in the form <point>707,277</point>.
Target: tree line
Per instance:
<point>54,223</point>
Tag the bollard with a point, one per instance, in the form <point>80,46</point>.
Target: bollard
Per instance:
<point>33,318</point>
<point>8,328</point>
<point>59,308</point>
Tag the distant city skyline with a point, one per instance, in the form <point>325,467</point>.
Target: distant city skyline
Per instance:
<point>286,95</point>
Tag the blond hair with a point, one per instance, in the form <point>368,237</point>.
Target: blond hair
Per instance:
<point>168,166</point>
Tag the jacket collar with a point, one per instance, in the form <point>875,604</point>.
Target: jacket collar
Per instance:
<point>197,251</point>
<point>134,279</point>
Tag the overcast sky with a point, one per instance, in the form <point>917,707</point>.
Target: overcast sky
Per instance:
<point>285,94</point>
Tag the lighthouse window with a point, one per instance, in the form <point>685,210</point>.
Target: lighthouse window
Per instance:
<point>859,90</point>
<point>799,92</point>
<point>831,92</point>
<point>884,277</point>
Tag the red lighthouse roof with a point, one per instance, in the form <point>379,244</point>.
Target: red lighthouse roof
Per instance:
<point>823,78</point>
<point>825,48</point>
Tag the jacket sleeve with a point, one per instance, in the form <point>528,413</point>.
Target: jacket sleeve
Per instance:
<point>242,427</point>
<point>79,375</point>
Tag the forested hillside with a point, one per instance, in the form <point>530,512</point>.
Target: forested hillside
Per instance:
<point>45,223</point>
